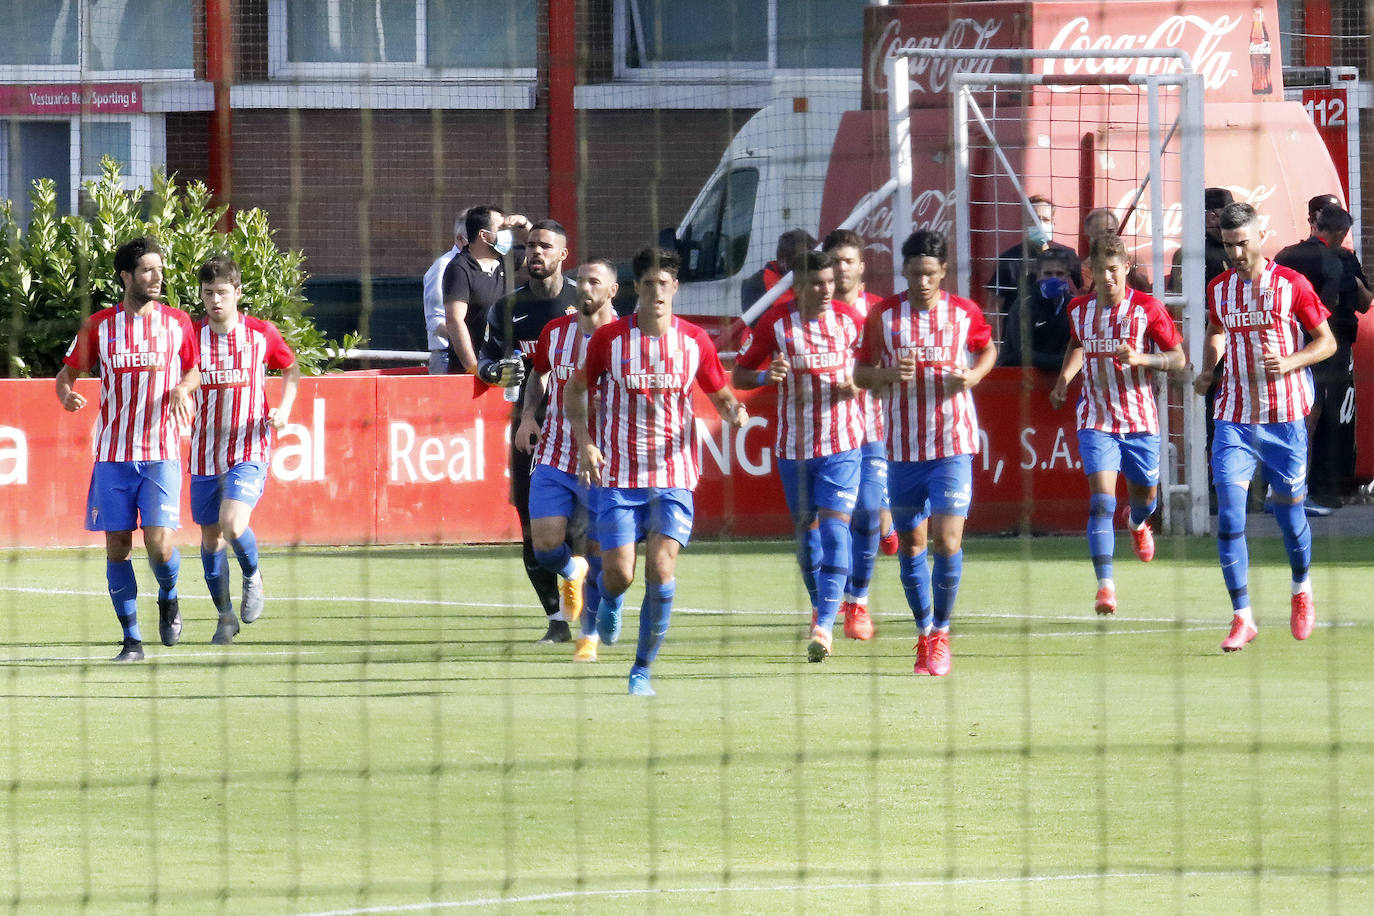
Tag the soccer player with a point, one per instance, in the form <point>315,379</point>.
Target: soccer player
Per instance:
<point>643,368</point>
<point>1118,337</point>
<point>145,353</point>
<point>557,496</point>
<point>925,350</point>
<point>870,526</point>
<point>806,348</point>
<point>230,440</point>
<point>1257,315</point>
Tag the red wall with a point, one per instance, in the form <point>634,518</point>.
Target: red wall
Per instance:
<point>405,459</point>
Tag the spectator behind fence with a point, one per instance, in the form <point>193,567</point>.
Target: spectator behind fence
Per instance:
<point>1041,316</point>
<point>436,329</point>
<point>791,243</point>
<point>1019,260</point>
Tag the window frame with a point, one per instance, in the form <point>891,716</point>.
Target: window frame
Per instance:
<point>699,71</point>
<point>83,72</point>
<point>279,67</point>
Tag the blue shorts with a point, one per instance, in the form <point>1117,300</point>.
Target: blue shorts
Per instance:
<point>556,494</point>
<point>829,482</point>
<point>1135,455</point>
<point>1281,448</point>
<point>942,486</point>
<point>242,483</point>
<point>873,479</point>
<point>624,516</point>
<point>125,495</point>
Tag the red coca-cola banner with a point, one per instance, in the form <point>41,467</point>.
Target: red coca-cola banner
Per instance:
<point>1232,43</point>
<point>385,459</point>
<point>71,99</point>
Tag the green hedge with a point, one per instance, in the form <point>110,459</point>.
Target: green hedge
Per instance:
<point>61,269</point>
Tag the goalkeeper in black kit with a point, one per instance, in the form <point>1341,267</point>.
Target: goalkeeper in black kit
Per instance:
<point>513,328</point>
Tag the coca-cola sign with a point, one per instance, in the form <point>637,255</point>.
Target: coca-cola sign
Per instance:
<point>1203,38</point>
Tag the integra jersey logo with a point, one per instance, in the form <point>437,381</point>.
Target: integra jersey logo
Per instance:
<point>138,361</point>
<point>1252,318</point>
<point>1100,347</point>
<point>655,381</point>
<point>224,378</point>
<point>817,362</point>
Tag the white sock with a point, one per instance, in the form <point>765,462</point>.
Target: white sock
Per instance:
<point>1106,583</point>
<point>1244,614</point>
<point>1304,586</point>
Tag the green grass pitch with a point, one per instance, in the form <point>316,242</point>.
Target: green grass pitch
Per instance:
<point>388,739</point>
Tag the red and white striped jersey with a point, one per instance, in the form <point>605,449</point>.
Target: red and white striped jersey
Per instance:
<point>923,421</point>
<point>870,402</point>
<point>1269,314</point>
<point>813,420</point>
<point>643,390</point>
<point>1116,398</point>
<point>559,352</point>
<point>140,359</point>
<point>231,406</point>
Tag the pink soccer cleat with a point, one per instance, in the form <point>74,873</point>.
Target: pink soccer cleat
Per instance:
<point>1143,542</point>
<point>1106,601</point>
<point>1303,616</point>
<point>1240,635</point>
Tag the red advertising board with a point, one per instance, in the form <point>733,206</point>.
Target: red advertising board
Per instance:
<point>414,459</point>
<point>1329,109</point>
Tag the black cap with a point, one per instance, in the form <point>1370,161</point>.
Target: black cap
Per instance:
<point>1321,202</point>
<point>1216,198</point>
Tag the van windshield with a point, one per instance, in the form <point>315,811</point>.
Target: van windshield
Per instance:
<point>715,243</point>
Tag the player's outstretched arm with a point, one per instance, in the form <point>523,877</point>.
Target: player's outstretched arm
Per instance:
<point>290,383</point>
<point>66,393</point>
<point>1073,363</point>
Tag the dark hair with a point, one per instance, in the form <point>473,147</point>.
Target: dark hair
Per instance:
<point>550,225</point>
<point>128,255</point>
<point>842,238</point>
<point>925,243</point>
<point>1108,247</point>
<point>792,243</point>
<point>652,258</point>
<point>601,262</point>
<point>477,219</point>
<point>1236,216</point>
<point>220,267</point>
<point>1216,198</point>
<point>1334,218</point>
<point>1053,256</point>
<point>1319,203</point>
<point>810,262</point>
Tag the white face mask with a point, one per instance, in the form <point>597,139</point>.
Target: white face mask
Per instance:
<point>505,240</point>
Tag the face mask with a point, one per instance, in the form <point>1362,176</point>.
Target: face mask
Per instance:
<point>505,240</point>
<point>1038,234</point>
<point>1052,288</point>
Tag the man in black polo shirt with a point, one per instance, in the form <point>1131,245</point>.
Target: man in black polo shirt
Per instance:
<point>513,327</point>
<point>1336,275</point>
<point>475,279</point>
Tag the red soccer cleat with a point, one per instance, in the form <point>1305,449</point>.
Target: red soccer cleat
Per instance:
<point>1303,616</point>
<point>1240,635</point>
<point>939,661</point>
<point>857,623</point>
<point>888,543</point>
<point>1106,601</point>
<point>1143,541</point>
<point>818,647</point>
<point>922,655</point>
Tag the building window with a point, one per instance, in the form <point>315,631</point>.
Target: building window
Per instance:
<point>122,40</point>
<point>730,35</point>
<point>401,38</point>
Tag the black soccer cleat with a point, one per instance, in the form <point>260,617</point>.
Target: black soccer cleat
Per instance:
<point>225,632</point>
<point>558,631</point>
<point>168,620</point>
<point>131,651</point>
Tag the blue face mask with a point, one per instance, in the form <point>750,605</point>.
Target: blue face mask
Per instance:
<point>505,240</point>
<point>1052,288</point>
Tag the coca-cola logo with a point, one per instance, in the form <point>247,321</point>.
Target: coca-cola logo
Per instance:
<point>1200,37</point>
<point>931,75</point>
<point>1140,222</point>
<point>931,209</point>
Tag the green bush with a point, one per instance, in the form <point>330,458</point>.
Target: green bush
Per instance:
<point>61,269</point>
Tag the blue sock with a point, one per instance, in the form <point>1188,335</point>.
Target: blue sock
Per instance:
<point>1297,537</point>
<point>809,559</point>
<point>591,595</point>
<point>945,576</point>
<point>216,566</point>
<point>1101,536</point>
<point>1143,511</point>
<point>246,549</point>
<point>166,574</point>
<point>835,546</point>
<point>654,614</point>
<point>556,561</point>
<point>119,576</point>
<point>915,575</point>
<point>863,532</point>
<point>1231,546</point>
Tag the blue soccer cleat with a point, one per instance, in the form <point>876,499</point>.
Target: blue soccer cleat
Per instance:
<point>608,623</point>
<point>639,682</point>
